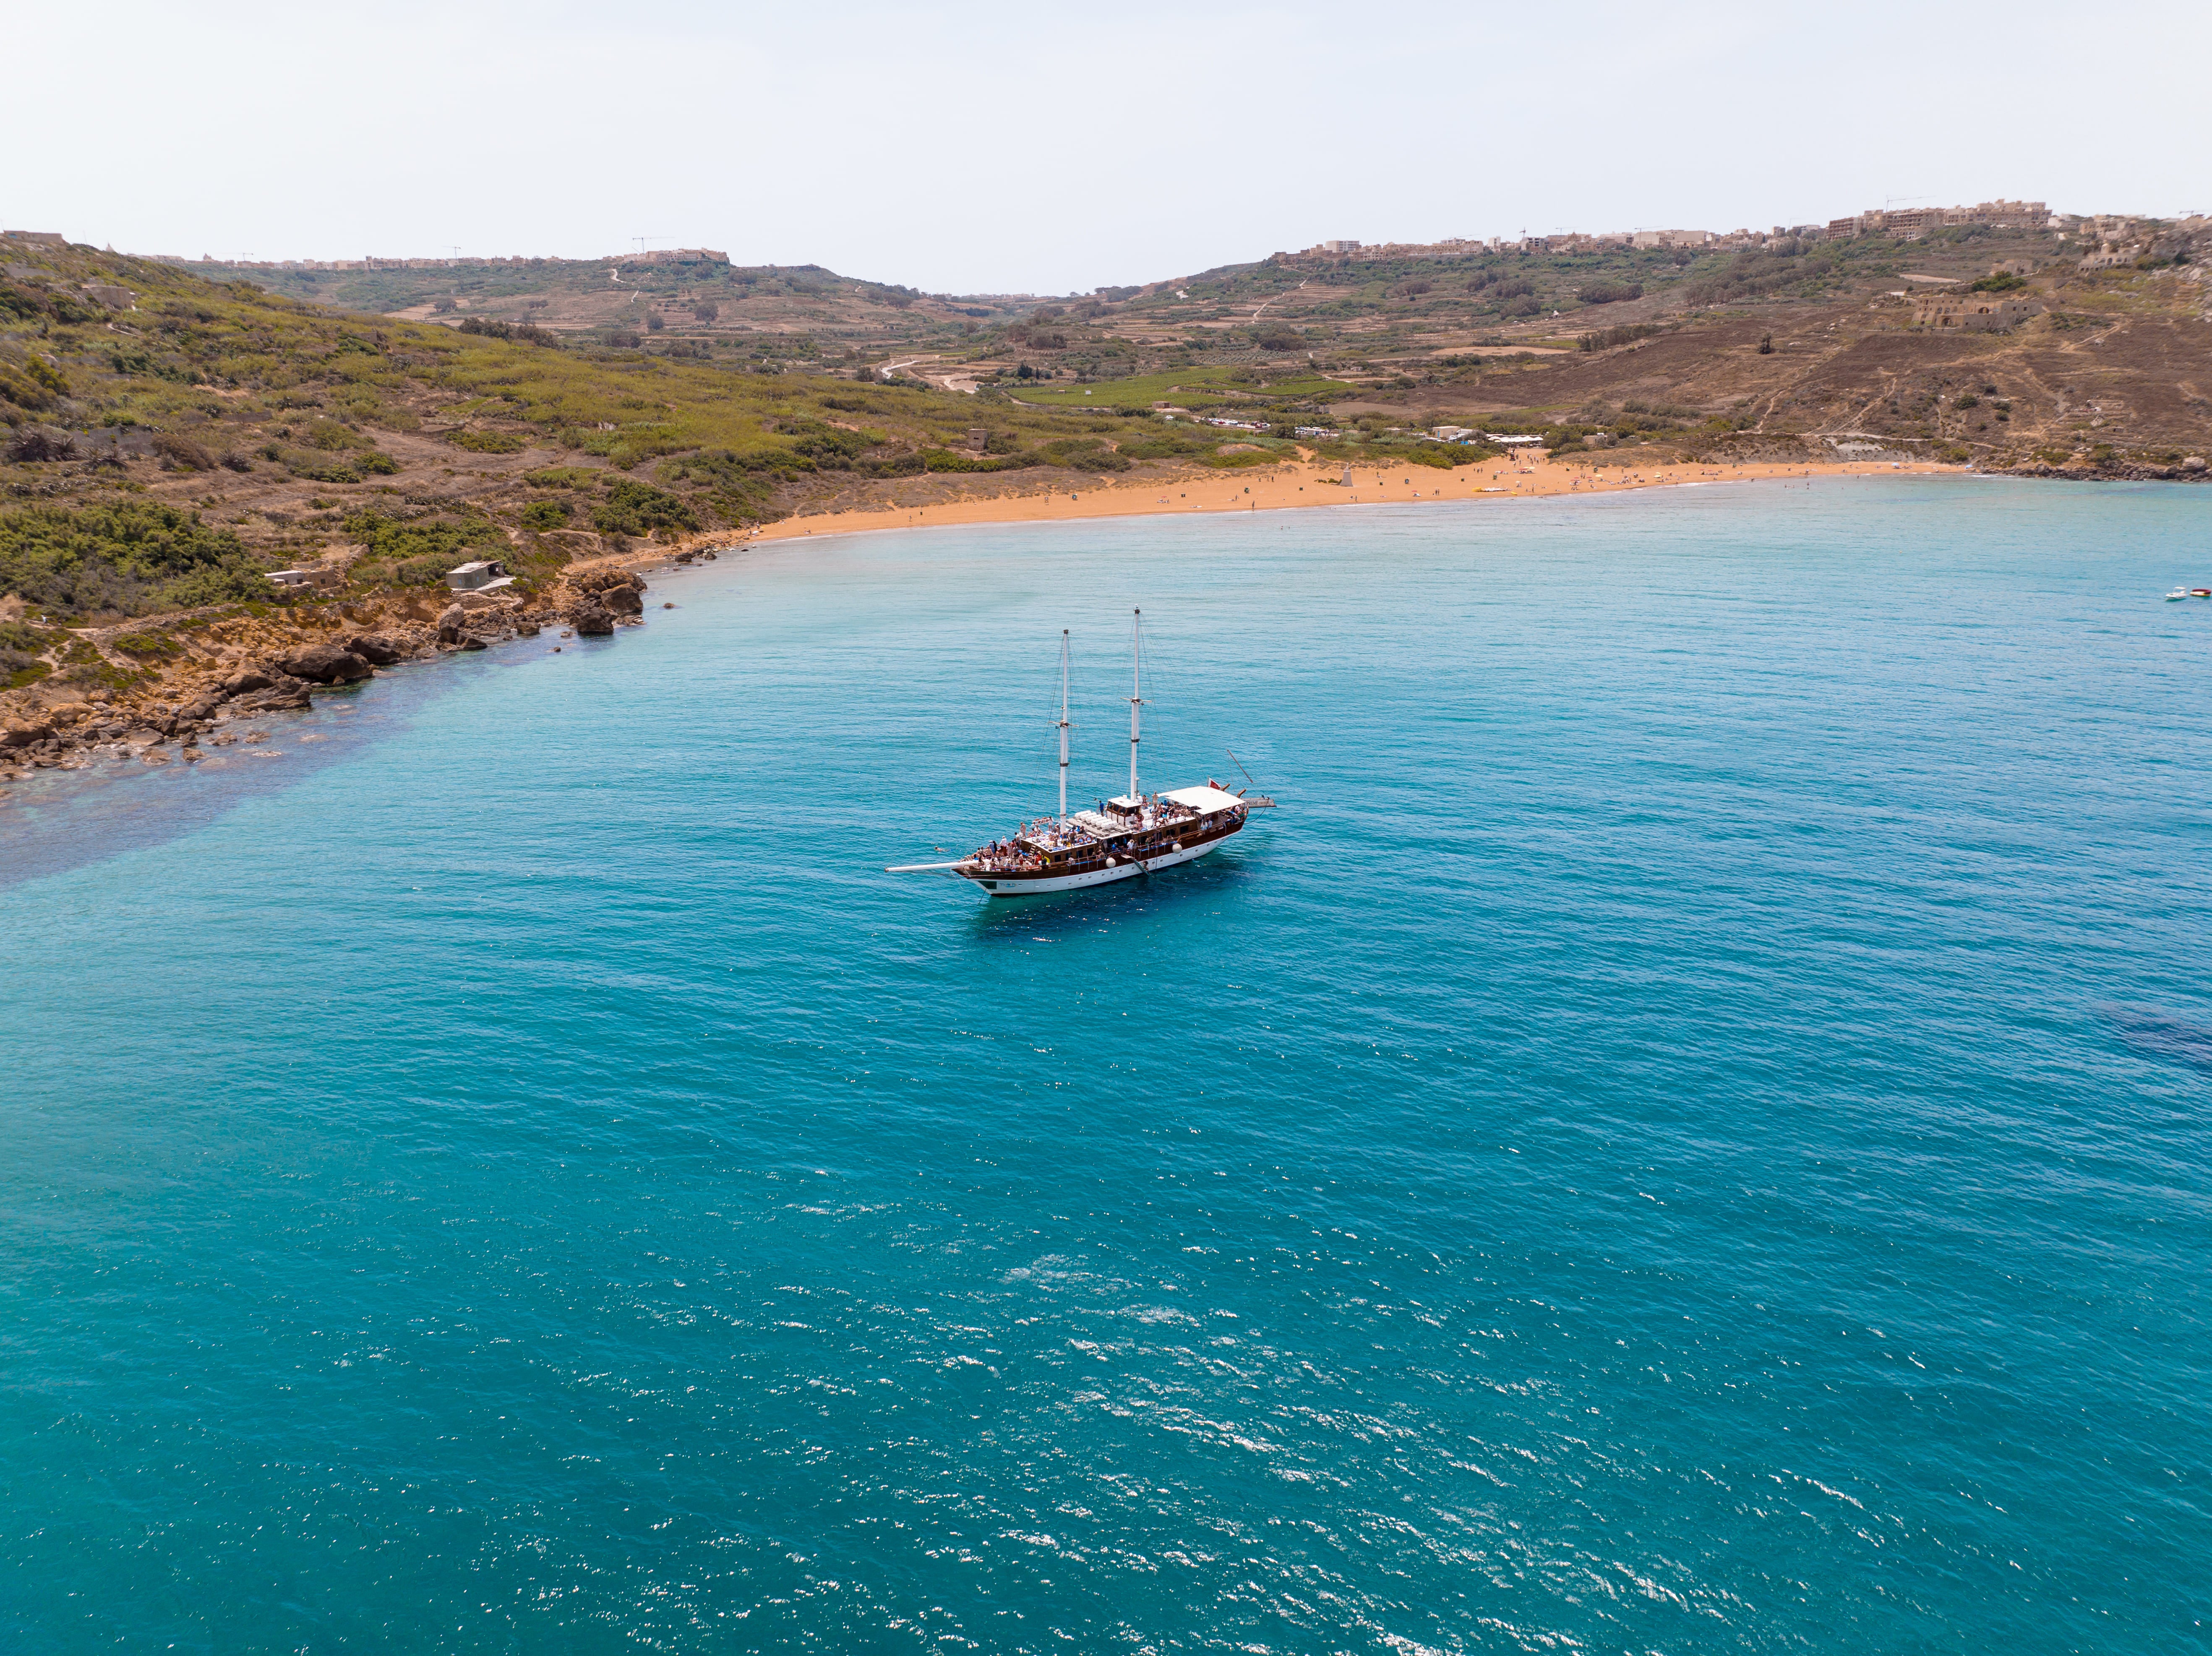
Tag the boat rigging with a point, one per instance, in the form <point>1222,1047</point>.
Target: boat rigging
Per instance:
<point>1135,834</point>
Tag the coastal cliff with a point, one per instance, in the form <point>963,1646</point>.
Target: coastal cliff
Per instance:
<point>230,663</point>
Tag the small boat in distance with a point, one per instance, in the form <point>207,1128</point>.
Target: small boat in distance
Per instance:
<point>2178,592</point>
<point>1137,833</point>
<point>2200,591</point>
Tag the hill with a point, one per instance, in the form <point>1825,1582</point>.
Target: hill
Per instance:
<point>1794,337</point>
<point>172,438</point>
<point>696,293</point>
<point>175,432</point>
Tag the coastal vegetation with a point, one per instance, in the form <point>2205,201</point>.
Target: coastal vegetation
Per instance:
<point>252,394</point>
<point>123,556</point>
<point>173,433</point>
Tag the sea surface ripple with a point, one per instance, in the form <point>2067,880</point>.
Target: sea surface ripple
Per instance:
<point>1686,1131</point>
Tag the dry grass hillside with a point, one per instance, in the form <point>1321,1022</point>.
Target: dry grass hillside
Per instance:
<point>1785,346</point>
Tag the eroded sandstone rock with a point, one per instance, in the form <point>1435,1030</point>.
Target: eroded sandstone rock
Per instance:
<point>324,664</point>
<point>374,648</point>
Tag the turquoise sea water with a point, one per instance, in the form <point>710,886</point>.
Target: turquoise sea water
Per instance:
<point>1687,1132</point>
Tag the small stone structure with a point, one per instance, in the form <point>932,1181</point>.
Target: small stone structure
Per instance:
<point>1972,312</point>
<point>484,576</point>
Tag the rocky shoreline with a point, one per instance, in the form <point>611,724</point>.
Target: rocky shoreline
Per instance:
<point>240,666</point>
<point>2114,470</point>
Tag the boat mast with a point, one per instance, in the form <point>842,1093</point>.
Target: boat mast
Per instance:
<point>1063,724</point>
<point>1136,691</point>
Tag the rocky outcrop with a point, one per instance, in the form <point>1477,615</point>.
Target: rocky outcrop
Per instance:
<point>325,664</point>
<point>374,649</point>
<point>598,598</point>
<point>248,665</point>
<point>599,580</point>
<point>284,693</point>
<point>2113,470</point>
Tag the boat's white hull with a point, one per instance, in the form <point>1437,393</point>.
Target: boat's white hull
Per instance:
<point>1007,885</point>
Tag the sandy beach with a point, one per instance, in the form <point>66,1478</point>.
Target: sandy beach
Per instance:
<point>1308,484</point>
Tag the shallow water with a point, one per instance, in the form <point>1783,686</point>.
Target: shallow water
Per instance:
<point>1686,1131</point>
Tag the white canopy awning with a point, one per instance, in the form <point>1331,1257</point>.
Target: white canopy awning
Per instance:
<point>1203,801</point>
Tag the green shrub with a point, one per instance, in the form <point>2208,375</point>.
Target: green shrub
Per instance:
<point>950,459</point>
<point>136,361</point>
<point>147,646</point>
<point>1169,443</point>
<point>417,553</point>
<point>826,447</point>
<point>32,384</point>
<point>20,647</point>
<point>545,515</point>
<point>1606,338</point>
<point>132,556</point>
<point>631,507</point>
<point>563,476</point>
<point>744,485</point>
<point>316,468</point>
<point>522,333</point>
<point>334,436</point>
<point>486,442</point>
<point>1084,454</point>
<point>23,392</point>
<point>183,451</point>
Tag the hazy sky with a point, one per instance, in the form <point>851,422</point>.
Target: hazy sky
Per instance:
<point>990,147</point>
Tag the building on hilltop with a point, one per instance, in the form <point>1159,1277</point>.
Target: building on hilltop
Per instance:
<point>1911,223</point>
<point>2113,239</point>
<point>677,256</point>
<point>1972,312</point>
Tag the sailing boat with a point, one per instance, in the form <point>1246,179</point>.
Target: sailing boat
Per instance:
<point>1136,833</point>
